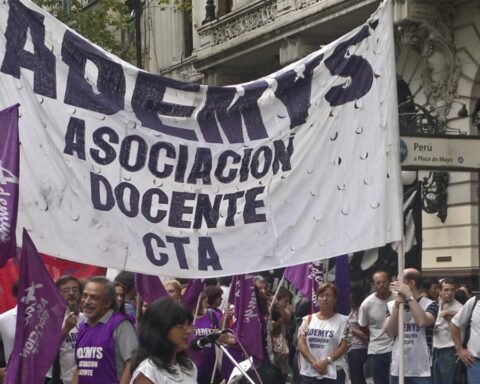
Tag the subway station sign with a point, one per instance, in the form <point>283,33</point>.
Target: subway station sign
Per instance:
<point>455,153</point>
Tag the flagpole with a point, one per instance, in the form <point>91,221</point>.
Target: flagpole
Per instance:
<point>280,283</point>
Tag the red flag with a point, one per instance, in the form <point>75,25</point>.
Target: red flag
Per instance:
<point>8,276</point>
<point>41,309</point>
<point>56,267</point>
<point>9,172</point>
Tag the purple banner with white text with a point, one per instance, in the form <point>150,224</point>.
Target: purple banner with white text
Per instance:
<point>41,310</point>
<point>9,170</point>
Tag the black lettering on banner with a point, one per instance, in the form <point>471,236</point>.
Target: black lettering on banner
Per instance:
<point>41,62</point>
<point>232,207</point>
<point>255,164</point>
<point>218,107</point>
<point>109,153</point>
<point>128,208</point>
<point>355,68</point>
<point>75,138</point>
<point>98,184</point>
<point>247,154</point>
<point>178,243</point>
<point>140,155</point>
<point>202,167</point>
<point>152,242</point>
<point>222,163</point>
<point>207,255</point>
<point>182,163</point>
<point>147,203</point>
<point>250,214</point>
<point>108,97</point>
<point>178,209</point>
<point>205,209</point>
<point>154,155</point>
<point>282,155</point>
<point>295,91</point>
<point>148,103</point>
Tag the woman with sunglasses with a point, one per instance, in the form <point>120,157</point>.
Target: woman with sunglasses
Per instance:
<point>163,339</point>
<point>323,340</point>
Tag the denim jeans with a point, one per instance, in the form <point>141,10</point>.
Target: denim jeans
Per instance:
<point>443,365</point>
<point>380,367</point>
<point>474,373</point>
<point>356,362</point>
<point>313,380</point>
<point>412,380</point>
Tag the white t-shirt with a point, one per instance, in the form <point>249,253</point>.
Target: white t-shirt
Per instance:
<point>372,314</point>
<point>461,319</point>
<point>8,322</point>
<point>323,338</point>
<point>442,338</point>
<point>67,351</point>
<point>160,376</point>
<point>417,355</point>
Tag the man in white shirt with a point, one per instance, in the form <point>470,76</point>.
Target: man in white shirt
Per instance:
<point>443,348</point>
<point>71,290</point>
<point>470,312</point>
<point>420,313</point>
<point>371,317</point>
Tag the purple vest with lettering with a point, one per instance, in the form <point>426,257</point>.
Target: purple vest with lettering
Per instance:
<point>95,351</point>
<point>205,359</point>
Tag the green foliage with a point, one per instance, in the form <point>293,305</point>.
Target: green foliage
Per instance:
<point>103,22</point>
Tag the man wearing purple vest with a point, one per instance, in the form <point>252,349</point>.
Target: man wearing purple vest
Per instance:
<point>106,340</point>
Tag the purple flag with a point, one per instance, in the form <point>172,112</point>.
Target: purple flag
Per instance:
<point>342,281</point>
<point>317,278</point>
<point>149,287</point>
<point>233,289</point>
<point>9,172</point>
<point>41,310</point>
<point>306,278</point>
<point>297,275</point>
<point>248,325</point>
<point>193,290</point>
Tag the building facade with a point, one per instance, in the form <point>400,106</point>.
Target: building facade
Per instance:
<point>222,42</point>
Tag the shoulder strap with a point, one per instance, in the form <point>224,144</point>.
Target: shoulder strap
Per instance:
<point>473,308</point>
<point>467,328</point>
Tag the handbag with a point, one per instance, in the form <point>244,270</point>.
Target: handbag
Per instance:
<point>460,371</point>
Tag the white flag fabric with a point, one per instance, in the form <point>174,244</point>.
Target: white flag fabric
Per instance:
<point>130,170</point>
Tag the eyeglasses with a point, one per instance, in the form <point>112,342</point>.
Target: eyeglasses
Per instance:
<point>325,296</point>
<point>378,283</point>
<point>185,327</point>
<point>73,290</point>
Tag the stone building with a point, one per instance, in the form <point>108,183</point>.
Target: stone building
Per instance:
<point>220,42</point>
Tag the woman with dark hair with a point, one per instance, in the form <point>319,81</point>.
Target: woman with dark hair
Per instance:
<point>120,294</point>
<point>206,322</point>
<point>323,340</point>
<point>280,318</point>
<point>358,346</point>
<point>163,337</point>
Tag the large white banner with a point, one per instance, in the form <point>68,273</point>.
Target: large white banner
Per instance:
<point>126,169</point>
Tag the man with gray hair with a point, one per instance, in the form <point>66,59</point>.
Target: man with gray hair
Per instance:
<point>106,341</point>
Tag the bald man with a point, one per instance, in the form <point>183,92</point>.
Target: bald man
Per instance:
<point>420,315</point>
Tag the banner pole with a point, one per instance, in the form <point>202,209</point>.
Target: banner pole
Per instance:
<point>280,283</point>
<point>401,317</point>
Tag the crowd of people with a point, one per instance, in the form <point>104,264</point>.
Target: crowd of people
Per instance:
<point>110,337</point>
